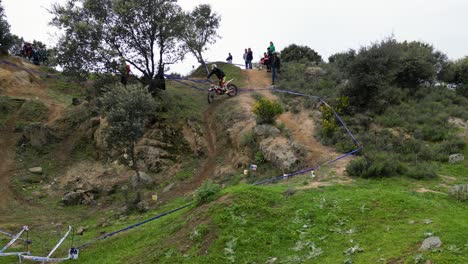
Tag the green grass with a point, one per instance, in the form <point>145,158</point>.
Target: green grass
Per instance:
<point>386,218</point>
<point>62,90</point>
<point>33,111</point>
<point>231,71</point>
<point>183,102</point>
<point>458,170</point>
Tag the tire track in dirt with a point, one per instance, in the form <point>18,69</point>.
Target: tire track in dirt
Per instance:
<point>208,166</point>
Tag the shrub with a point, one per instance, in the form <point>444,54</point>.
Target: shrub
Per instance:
<point>267,111</point>
<point>259,157</point>
<point>5,104</point>
<point>375,166</point>
<point>462,90</point>
<point>295,52</point>
<point>421,171</point>
<point>206,192</point>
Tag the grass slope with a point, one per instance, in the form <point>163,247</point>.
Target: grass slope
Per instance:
<point>386,219</point>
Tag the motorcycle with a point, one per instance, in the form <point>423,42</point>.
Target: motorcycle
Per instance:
<point>231,90</point>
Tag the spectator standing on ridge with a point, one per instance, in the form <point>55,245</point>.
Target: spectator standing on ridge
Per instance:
<point>249,58</point>
<point>271,48</point>
<point>264,61</point>
<point>245,58</point>
<point>125,73</point>
<point>229,58</point>
<point>275,67</point>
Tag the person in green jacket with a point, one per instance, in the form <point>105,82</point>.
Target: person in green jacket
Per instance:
<point>271,48</point>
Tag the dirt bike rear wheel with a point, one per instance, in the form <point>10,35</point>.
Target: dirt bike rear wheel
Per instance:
<point>232,90</point>
<point>211,95</point>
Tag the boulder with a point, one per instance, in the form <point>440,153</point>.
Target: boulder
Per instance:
<point>36,170</point>
<point>454,158</point>
<point>80,230</point>
<point>78,197</point>
<point>72,198</point>
<point>279,151</point>
<point>143,179</point>
<point>459,192</point>
<point>37,134</point>
<point>431,243</point>
<point>142,206</point>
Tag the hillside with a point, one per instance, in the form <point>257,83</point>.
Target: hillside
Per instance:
<point>325,217</point>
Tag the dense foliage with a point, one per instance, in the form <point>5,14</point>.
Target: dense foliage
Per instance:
<point>388,97</point>
<point>102,36</point>
<point>5,35</point>
<point>202,24</point>
<point>127,110</point>
<point>295,52</point>
<point>267,110</point>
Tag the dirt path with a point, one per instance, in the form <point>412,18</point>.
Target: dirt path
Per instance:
<point>21,84</point>
<point>208,166</point>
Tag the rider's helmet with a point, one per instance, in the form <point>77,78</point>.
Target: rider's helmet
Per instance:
<point>214,66</point>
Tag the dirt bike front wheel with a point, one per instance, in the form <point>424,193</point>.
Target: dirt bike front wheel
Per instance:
<point>211,95</point>
<point>231,90</point>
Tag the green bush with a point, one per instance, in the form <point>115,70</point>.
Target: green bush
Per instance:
<point>267,111</point>
<point>421,171</point>
<point>379,165</point>
<point>206,192</point>
<point>259,157</point>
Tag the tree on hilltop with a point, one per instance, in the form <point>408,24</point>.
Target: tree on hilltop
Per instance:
<point>5,35</point>
<point>100,33</point>
<point>202,25</point>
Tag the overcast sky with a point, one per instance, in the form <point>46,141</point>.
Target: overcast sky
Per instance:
<point>327,26</point>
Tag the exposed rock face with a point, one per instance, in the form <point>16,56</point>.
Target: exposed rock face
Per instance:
<point>193,134</point>
<point>85,182</point>
<point>152,155</point>
<point>279,151</point>
<point>431,243</point>
<point>154,152</point>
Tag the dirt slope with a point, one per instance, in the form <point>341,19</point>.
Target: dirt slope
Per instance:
<point>301,125</point>
<point>18,82</point>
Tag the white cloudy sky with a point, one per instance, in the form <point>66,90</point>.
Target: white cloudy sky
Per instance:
<point>328,26</point>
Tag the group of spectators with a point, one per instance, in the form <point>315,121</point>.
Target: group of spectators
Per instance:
<point>34,54</point>
<point>270,59</point>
